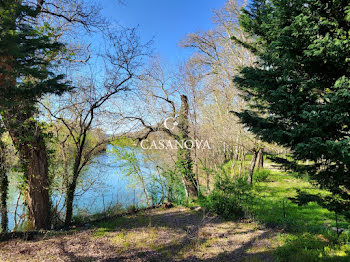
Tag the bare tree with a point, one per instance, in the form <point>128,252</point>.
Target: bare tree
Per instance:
<point>161,99</point>
<point>217,59</point>
<point>83,110</point>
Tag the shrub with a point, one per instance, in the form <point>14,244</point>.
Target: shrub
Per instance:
<point>175,189</point>
<point>228,197</point>
<point>239,187</point>
<point>261,175</point>
<point>131,209</point>
<point>81,217</point>
<point>222,204</point>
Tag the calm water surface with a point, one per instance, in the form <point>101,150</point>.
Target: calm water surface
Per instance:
<point>105,185</point>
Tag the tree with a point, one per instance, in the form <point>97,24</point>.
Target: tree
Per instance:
<point>63,146</point>
<point>82,111</point>
<point>216,60</point>
<point>3,184</point>
<point>25,77</point>
<point>184,161</point>
<point>130,162</point>
<point>159,94</point>
<point>299,89</point>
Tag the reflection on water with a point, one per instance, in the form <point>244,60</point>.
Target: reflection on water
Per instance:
<point>104,186</point>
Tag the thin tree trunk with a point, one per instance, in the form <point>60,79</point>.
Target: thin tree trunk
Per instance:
<point>69,202</point>
<point>76,171</point>
<point>186,191</point>
<point>195,138</point>
<point>3,188</point>
<point>252,166</point>
<point>244,156</point>
<point>144,188</point>
<point>235,156</point>
<point>71,191</point>
<point>207,174</point>
<point>242,167</point>
<point>73,184</point>
<point>208,182</point>
<point>240,158</point>
<point>260,159</point>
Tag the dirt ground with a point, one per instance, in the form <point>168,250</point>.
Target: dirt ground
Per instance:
<point>176,234</point>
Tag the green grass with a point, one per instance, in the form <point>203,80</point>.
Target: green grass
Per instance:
<point>228,165</point>
<point>306,230</point>
<point>309,247</point>
<point>270,196</point>
<point>122,222</point>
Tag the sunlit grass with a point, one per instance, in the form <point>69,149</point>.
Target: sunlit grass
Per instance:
<point>307,233</point>
<point>272,206</point>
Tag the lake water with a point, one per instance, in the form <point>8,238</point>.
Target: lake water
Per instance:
<point>105,185</point>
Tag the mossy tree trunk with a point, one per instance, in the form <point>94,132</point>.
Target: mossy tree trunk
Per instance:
<point>29,140</point>
<point>184,160</point>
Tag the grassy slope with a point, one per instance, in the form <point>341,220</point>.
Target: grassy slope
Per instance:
<point>270,195</point>
<point>307,230</point>
<point>268,206</point>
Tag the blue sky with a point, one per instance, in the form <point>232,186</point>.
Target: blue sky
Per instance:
<point>166,21</point>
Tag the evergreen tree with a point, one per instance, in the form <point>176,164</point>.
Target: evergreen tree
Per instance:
<point>299,91</point>
<point>26,74</point>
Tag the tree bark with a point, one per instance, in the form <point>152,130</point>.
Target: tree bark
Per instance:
<point>72,186</point>
<point>38,186</point>
<point>260,159</point>
<point>3,188</point>
<point>185,163</point>
<point>17,115</point>
<point>69,201</point>
<point>252,166</point>
<point>29,141</point>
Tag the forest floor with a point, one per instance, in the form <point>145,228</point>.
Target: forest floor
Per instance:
<point>175,234</point>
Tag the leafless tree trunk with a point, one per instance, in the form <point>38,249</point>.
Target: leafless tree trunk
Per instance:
<point>242,165</point>
<point>3,187</point>
<point>252,166</point>
<point>260,159</point>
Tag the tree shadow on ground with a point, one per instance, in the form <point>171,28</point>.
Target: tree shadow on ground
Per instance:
<point>234,241</point>
<point>189,223</point>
